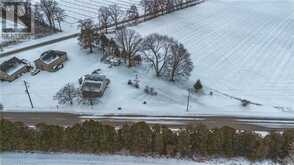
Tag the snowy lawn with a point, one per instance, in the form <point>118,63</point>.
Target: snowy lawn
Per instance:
<point>171,99</point>
<point>80,159</point>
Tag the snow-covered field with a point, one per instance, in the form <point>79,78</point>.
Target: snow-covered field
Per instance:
<point>243,48</point>
<point>84,9</point>
<point>79,159</point>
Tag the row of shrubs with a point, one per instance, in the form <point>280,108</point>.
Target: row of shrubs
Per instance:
<point>143,139</point>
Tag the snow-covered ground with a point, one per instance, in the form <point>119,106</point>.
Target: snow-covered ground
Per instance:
<point>85,9</point>
<point>79,159</point>
<point>242,48</point>
<point>76,10</point>
<point>171,100</point>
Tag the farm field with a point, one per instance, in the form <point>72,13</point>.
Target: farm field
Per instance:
<point>243,48</point>
<point>85,9</point>
<point>240,48</point>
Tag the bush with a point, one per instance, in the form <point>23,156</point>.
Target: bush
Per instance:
<point>245,103</point>
<point>198,86</point>
<point>150,91</point>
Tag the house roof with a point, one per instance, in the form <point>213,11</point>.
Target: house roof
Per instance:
<point>12,65</point>
<point>93,82</point>
<point>51,55</point>
<point>94,77</point>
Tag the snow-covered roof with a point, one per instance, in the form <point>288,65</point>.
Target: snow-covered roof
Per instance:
<point>92,86</point>
<point>12,65</point>
<point>51,56</point>
<point>93,82</point>
<point>94,77</point>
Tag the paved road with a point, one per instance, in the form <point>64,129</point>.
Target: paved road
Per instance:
<point>66,119</point>
<point>37,45</point>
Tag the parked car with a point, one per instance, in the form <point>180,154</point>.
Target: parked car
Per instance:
<point>58,67</point>
<point>97,71</point>
<point>35,72</point>
<point>115,62</point>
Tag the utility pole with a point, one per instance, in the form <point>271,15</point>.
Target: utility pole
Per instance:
<point>188,99</point>
<point>1,109</point>
<point>28,93</point>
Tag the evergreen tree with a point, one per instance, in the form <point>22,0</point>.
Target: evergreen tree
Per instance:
<point>157,140</point>
<point>288,137</point>
<point>275,143</point>
<point>169,141</point>
<point>125,137</point>
<point>214,146</point>
<point>8,136</point>
<point>198,86</point>
<point>183,143</point>
<point>139,138</point>
<point>199,137</point>
<point>142,138</point>
<point>228,135</point>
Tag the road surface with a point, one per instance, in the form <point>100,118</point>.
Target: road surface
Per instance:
<point>67,119</point>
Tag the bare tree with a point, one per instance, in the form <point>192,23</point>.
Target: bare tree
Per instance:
<point>59,16</point>
<point>48,7</point>
<point>52,12</point>
<point>157,6</point>
<point>133,13</point>
<point>179,3</point>
<point>87,34</point>
<point>156,49</point>
<point>129,42</point>
<point>170,6</point>
<point>26,18</point>
<point>148,6</point>
<point>104,18</point>
<point>38,14</point>
<point>179,63</point>
<point>67,94</point>
<point>116,14</point>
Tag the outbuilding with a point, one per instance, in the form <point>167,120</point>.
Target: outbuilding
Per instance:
<point>93,85</point>
<point>13,68</point>
<point>51,60</point>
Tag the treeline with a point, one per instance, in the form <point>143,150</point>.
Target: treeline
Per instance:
<point>167,57</point>
<point>142,139</point>
<point>49,13</point>
<point>115,16</point>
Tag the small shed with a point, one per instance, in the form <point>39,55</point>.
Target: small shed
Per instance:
<point>93,85</point>
<point>50,60</point>
<point>13,68</point>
